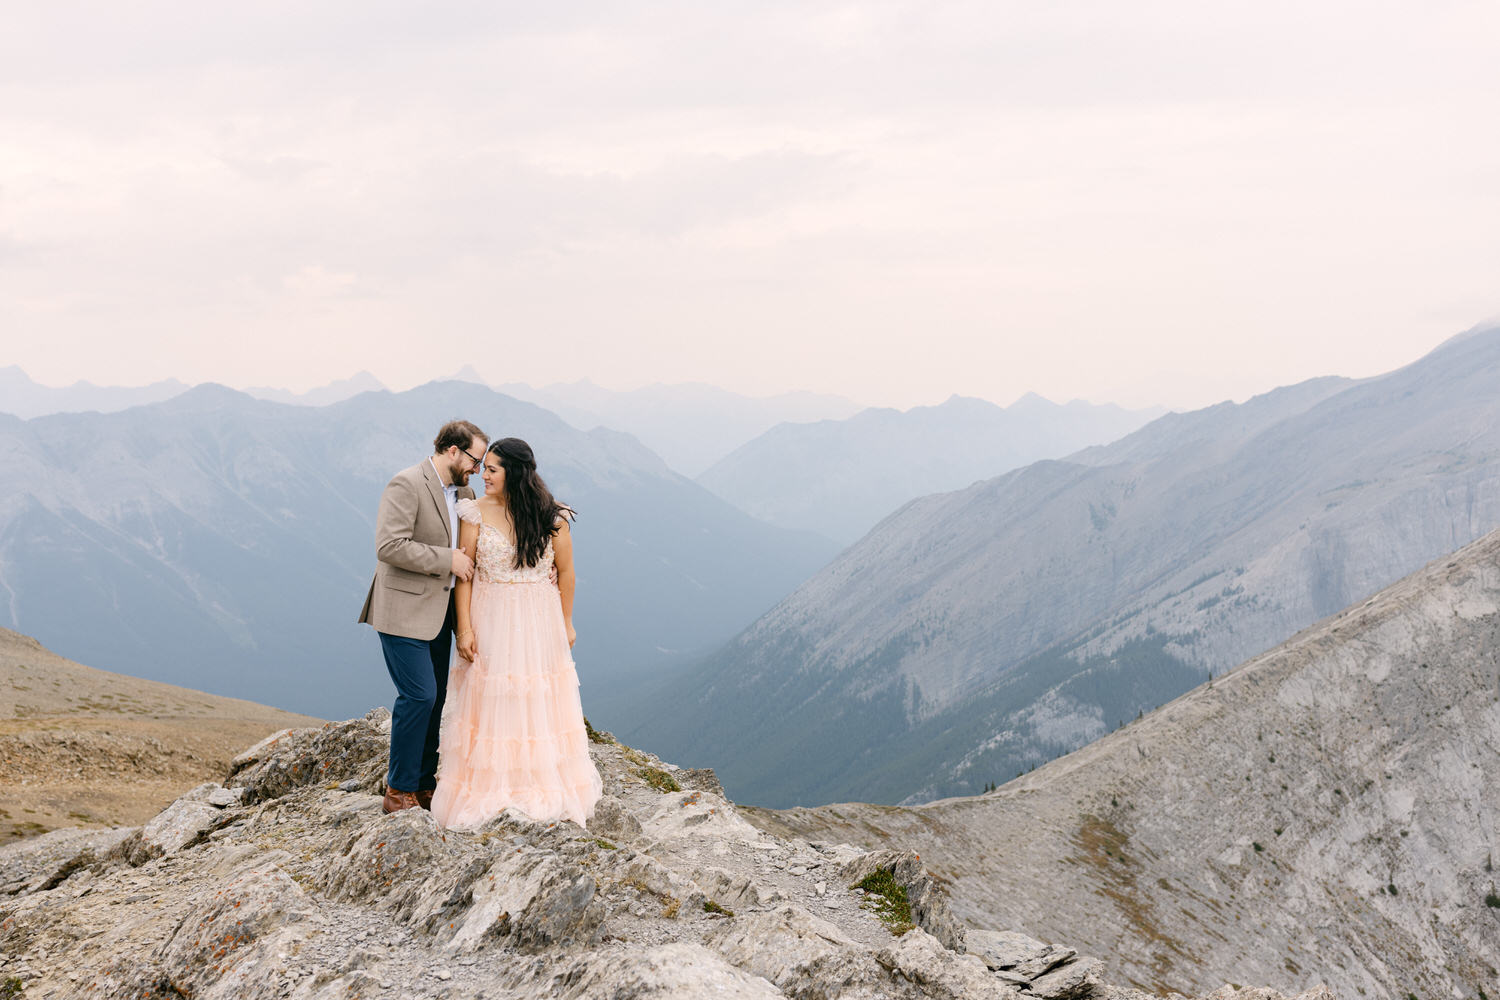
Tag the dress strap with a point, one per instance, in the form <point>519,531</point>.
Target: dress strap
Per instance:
<point>468,510</point>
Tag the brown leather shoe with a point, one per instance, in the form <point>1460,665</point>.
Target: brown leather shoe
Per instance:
<point>396,801</point>
<point>424,798</point>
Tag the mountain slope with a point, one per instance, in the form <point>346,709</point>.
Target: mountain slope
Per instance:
<point>843,476</point>
<point>223,542</point>
<point>975,634</point>
<point>1325,813</point>
<point>79,745</point>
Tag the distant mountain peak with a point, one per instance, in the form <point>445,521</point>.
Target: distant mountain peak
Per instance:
<point>468,373</point>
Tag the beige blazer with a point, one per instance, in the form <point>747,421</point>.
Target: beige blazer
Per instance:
<point>414,571</point>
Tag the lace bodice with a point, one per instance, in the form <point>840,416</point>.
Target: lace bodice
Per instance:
<point>496,562</point>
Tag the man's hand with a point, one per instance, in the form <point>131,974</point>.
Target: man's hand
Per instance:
<point>463,566</point>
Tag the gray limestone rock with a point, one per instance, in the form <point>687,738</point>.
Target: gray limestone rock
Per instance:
<point>678,971</point>
<point>1020,955</point>
<point>921,958</point>
<point>39,863</point>
<point>727,888</point>
<point>803,955</point>
<point>174,828</point>
<point>1070,980</point>
<point>226,797</point>
<point>613,820</point>
<point>227,936</point>
<point>329,756</point>
<point>700,779</point>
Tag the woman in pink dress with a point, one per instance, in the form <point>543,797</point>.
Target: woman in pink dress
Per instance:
<point>512,730</point>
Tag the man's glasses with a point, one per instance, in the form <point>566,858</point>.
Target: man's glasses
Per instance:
<point>477,461</point>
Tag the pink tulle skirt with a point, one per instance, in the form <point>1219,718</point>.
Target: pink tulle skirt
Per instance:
<point>512,731</point>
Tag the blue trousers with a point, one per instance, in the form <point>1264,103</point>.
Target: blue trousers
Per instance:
<point>420,671</point>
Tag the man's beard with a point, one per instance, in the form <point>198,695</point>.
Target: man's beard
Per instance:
<point>458,474</point>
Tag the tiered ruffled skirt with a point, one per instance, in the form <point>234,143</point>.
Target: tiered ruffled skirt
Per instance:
<point>512,731</point>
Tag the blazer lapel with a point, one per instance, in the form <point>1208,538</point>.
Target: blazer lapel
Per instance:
<point>435,488</point>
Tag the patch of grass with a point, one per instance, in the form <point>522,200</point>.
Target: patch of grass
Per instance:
<point>709,906</point>
<point>659,779</point>
<point>1391,888</point>
<point>1491,900</point>
<point>1256,844</point>
<point>603,843</point>
<point>673,904</point>
<point>11,987</point>
<point>594,735</point>
<point>887,898</point>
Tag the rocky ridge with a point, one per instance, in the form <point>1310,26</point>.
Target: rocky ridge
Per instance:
<point>1325,813</point>
<point>288,881</point>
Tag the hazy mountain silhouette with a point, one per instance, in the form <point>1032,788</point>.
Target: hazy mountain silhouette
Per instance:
<point>842,476</point>
<point>974,634</point>
<point>334,392</point>
<point>226,543</point>
<point>24,398</point>
<point>690,425</point>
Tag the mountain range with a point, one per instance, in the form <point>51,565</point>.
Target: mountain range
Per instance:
<point>973,635</point>
<point>223,542</point>
<point>840,477</point>
<point>334,392</point>
<point>1324,813</point>
<point>691,425</point>
<point>24,398</point>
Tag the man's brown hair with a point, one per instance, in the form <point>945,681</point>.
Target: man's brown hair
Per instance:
<point>456,432</point>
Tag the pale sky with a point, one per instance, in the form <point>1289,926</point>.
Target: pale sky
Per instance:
<point>1166,202</point>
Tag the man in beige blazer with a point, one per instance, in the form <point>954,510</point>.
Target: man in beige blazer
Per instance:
<point>410,603</point>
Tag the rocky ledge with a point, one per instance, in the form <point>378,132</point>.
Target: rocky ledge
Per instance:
<point>288,881</point>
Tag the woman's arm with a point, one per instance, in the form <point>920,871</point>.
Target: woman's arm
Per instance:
<point>468,543</point>
<point>562,555</point>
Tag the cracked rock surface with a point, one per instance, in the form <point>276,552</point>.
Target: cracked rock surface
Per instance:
<point>288,881</point>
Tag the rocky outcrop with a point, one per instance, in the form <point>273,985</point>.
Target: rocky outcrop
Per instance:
<point>290,882</point>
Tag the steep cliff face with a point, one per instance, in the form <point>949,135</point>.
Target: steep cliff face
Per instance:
<point>287,881</point>
<point>975,634</point>
<point>1326,812</point>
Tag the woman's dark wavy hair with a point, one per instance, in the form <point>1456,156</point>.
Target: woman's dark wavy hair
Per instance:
<point>533,510</point>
